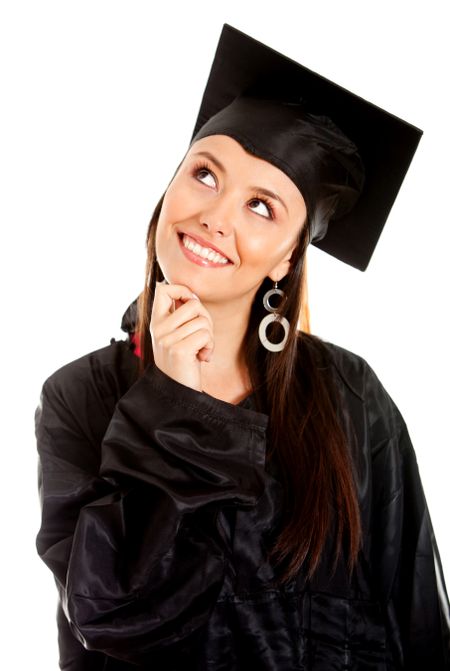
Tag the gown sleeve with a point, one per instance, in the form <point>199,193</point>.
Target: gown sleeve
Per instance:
<point>129,526</point>
<point>405,558</point>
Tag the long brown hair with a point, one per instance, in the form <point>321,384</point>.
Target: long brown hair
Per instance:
<point>305,434</point>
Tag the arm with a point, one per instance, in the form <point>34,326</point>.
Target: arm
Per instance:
<point>135,546</point>
<point>406,560</point>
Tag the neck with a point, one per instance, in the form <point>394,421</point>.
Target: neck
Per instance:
<point>230,325</point>
<point>226,376</point>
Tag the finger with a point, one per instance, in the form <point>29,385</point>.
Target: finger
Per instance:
<point>205,354</point>
<point>171,339</point>
<point>191,346</point>
<point>166,294</point>
<point>188,311</point>
<point>179,302</point>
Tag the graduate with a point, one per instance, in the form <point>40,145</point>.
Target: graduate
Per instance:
<point>223,490</point>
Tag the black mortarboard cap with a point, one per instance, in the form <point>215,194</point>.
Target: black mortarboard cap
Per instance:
<point>347,156</point>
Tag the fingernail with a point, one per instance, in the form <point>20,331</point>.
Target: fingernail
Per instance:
<point>195,296</point>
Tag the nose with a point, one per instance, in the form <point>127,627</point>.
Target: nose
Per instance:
<point>218,218</point>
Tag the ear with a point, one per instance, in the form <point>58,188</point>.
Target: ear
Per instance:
<point>282,268</point>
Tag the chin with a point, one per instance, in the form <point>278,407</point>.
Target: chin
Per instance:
<point>191,282</point>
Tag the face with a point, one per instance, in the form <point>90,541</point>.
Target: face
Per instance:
<point>228,221</point>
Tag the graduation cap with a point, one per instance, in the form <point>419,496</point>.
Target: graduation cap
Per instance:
<point>347,156</point>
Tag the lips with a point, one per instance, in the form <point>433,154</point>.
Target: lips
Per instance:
<point>206,253</point>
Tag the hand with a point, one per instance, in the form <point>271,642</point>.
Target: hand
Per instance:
<point>182,334</point>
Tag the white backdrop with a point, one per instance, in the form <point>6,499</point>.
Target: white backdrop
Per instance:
<point>98,102</point>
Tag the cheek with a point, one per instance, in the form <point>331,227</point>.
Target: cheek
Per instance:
<point>175,206</point>
<point>178,206</point>
<point>263,250</point>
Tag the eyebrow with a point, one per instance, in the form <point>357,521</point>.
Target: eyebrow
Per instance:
<point>211,158</point>
<point>271,194</point>
<point>260,189</point>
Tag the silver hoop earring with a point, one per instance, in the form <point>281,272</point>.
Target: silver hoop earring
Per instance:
<point>273,316</point>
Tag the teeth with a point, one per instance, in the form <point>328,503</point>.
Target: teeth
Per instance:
<point>203,252</point>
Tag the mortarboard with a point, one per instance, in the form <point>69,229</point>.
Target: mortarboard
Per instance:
<point>345,154</point>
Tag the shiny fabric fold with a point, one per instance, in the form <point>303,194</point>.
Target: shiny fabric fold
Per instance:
<point>158,511</point>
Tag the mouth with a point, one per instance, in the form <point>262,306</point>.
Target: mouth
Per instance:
<point>201,253</point>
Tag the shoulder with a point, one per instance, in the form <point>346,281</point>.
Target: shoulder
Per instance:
<point>359,386</point>
<point>99,377</point>
<point>351,368</point>
<point>378,437</point>
<point>75,408</point>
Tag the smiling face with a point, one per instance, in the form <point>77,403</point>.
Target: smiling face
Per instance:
<point>228,220</point>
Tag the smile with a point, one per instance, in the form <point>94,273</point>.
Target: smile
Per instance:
<point>205,256</point>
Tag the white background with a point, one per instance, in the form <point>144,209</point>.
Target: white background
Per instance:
<point>98,103</point>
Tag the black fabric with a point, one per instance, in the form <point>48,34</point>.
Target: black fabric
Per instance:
<point>158,509</point>
<point>245,68</point>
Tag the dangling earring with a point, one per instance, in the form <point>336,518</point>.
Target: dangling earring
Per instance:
<point>273,317</point>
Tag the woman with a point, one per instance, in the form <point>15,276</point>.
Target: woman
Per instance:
<point>222,491</point>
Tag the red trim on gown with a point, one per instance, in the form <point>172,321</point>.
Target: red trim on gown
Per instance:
<point>137,349</point>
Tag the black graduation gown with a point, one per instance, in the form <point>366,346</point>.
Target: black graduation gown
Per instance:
<point>158,509</point>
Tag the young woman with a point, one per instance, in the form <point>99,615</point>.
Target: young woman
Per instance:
<point>222,490</point>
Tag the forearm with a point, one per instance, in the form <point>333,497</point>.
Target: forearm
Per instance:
<point>145,559</point>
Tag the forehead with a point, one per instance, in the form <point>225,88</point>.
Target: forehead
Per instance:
<point>242,164</point>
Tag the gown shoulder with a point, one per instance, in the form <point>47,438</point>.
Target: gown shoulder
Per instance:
<point>119,454</point>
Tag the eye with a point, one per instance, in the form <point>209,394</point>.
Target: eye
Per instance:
<point>204,175</point>
<point>262,207</point>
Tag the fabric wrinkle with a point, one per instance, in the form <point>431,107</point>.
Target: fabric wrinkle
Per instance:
<point>159,511</point>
